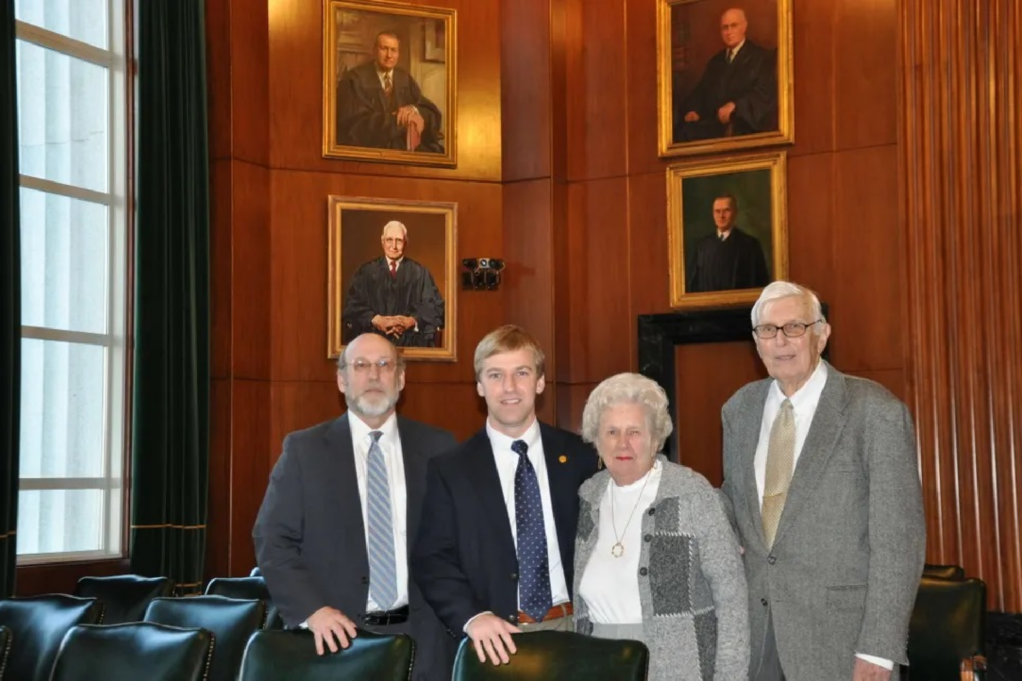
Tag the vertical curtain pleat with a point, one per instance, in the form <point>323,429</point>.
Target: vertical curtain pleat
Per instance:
<point>10,302</point>
<point>170,428</point>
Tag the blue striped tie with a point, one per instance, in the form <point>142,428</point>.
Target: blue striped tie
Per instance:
<point>533,560</point>
<point>382,566</point>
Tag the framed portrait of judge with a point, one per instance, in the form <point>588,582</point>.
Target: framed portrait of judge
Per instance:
<point>389,82</point>
<point>724,75</point>
<point>391,272</point>
<point>727,229</point>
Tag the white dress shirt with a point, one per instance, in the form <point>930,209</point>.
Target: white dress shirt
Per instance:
<point>804,403</point>
<point>609,585</point>
<point>507,464</point>
<point>390,445</point>
<point>382,75</point>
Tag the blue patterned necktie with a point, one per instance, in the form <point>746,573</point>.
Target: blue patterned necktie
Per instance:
<point>533,561</point>
<point>382,565</point>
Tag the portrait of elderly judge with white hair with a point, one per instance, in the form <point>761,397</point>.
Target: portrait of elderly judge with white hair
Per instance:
<point>655,558</point>
<point>394,296</point>
<point>821,481</point>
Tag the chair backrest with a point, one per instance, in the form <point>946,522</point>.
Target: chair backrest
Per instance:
<point>256,572</point>
<point>273,655</point>
<point>561,655</point>
<point>956,572</point>
<point>138,650</point>
<point>948,625</point>
<point>247,588</point>
<point>38,625</point>
<point>124,597</point>
<point>231,622</point>
<point>5,649</point>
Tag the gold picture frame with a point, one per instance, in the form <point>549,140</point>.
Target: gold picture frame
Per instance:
<point>390,82</point>
<point>705,270</point>
<point>363,292</point>
<point>693,61</point>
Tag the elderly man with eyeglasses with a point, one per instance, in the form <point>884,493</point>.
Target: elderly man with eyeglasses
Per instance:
<point>822,488</point>
<point>344,498</point>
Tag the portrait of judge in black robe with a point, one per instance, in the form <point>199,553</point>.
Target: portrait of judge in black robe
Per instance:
<point>729,258</point>
<point>737,92</point>
<point>380,105</point>
<point>394,296</point>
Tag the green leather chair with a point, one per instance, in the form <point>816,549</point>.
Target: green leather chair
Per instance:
<point>124,597</point>
<point>946,638</point>
<point>38,625</point>
<point>247,588</point>
<point>955,572</point>
<point>231,621</point>
<point>560,655</point>
<point>291,655</point>
<point>133,652</point>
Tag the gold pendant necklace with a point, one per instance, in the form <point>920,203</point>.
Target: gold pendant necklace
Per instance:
<point>618,549</point>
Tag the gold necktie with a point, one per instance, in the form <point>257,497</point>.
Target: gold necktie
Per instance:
<point>779,469</point>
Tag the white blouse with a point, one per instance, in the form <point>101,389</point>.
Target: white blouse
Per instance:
<point>610,585</point>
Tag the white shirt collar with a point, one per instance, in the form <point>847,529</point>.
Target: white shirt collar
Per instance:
<point>396,262</point>
<point>724,235</point>
<point>501,442</point>
<point>360,429</point>
<point>736,50</point>
<point>809,394</point>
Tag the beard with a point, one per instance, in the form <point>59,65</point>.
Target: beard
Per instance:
<point>373,406</point>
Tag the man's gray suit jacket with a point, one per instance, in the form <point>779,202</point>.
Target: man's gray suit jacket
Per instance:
<point>842,575</point>
<point>310,538</point>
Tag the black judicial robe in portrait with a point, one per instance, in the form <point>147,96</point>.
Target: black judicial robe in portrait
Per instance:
<point>412,293</point>
<point>719,265</point>
<point>750,81</point>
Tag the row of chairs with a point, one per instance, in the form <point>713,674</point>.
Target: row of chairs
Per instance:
<point>115,626</point>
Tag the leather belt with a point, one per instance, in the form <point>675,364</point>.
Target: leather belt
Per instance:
<point>384,618</point>
<point>556,612</point>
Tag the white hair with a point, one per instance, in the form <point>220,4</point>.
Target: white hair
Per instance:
<point>395,223</point>
<point>786,289</point>
<point>628,389</point>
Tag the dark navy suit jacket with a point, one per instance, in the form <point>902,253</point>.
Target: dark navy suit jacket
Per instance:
<point>465,560</point>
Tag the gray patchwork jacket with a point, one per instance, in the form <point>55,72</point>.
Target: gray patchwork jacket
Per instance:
<point>691,581</point>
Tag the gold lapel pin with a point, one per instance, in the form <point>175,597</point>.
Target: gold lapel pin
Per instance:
<point>562,458</point>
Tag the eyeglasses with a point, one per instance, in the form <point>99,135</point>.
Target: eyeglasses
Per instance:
<point>385,365</point>
<point>791,329</point>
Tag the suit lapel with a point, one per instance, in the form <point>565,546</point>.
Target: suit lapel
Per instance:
<point>482,472</point>
<point>749,442</point>
<point>828,421</point>
<point>346,505</point>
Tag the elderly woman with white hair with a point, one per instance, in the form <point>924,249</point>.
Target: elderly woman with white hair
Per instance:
<point>655,557</point>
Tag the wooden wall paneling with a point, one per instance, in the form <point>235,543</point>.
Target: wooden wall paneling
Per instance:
<point>251,319</point>
<point>649,255</point>
<point>708,374</point>
<point>816,76</point>
<point>219,501</point>
<point>250,106</point>
<point>296,93</point>
<point>453,406</point>
<point>867,263</point>
<point>641,99</point>
<point>864,48</point>
<point>528,279</point>
<point>597,87</point>
<point>221,214</point>
<point>526,77</point>
<point>812,220</point>
<point>250,469</point>
<point>961,97</point>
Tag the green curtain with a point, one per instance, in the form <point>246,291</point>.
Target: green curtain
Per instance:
<point>10,303</point>
<point>170,427</point>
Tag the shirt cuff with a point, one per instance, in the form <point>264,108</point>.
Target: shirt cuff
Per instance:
<point>878,661</point>
<point>473,619</point>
